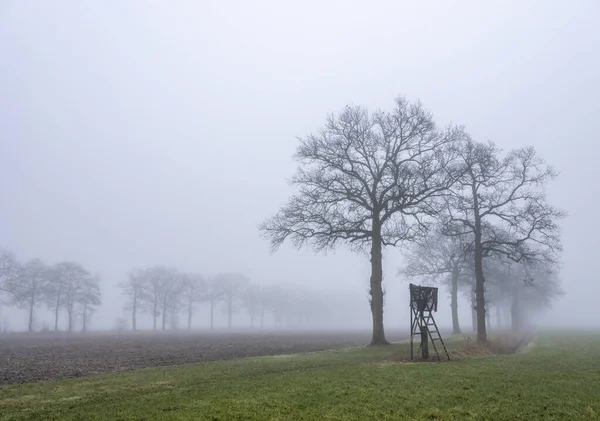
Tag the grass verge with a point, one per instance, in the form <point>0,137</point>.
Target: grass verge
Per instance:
<point>558,377</point>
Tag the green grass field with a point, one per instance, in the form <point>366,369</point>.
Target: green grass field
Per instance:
<point>555,378</point>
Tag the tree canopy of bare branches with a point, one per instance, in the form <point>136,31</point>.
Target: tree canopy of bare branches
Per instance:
<point>28,285</point>
<point>501,202</point>
<point>369,180</point>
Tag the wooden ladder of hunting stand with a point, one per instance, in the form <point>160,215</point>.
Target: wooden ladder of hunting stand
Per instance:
<point>423,303</point>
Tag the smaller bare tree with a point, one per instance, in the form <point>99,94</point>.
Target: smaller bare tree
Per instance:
<point>438,257</point>
<point>89,297</point>
<point>214,295</point>
<point>233,285</point>
<point>169,292</point>
<point>8,264</point>
<point>75,277</point>
<point>193,290</point>
<point>251,300</point>
<point>153,279</point>
<point>135,288</point>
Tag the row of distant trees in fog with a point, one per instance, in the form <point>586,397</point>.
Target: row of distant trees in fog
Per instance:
<point>62,287</point>
<point>164,292</point>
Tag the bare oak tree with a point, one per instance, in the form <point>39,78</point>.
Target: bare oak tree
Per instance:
<point>251,300</point>
<point>214,294</point>
<point>169,280</point>
<point>369,180</point>
<point>135,287</point>
<point>88,298</point>
<point>28,286</point>
<point>232,286</point>
<point>193,290</point>
<point>501,202</point>
<point>73,277</point>
<point>151,300</point>
<point>8,264</point>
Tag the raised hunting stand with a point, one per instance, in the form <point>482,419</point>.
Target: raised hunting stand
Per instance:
<point>423,303</point>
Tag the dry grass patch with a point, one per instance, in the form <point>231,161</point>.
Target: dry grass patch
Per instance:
<point>463,348</point>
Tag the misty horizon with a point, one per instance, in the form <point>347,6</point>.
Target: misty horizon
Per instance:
<point>141,135</point>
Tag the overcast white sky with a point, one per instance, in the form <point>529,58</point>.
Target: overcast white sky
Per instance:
<point>141,132</point>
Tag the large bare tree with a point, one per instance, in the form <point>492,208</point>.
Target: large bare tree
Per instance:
<point>500,200</point>
<point>89,297</point>
<point>170,283</point>
<point>73,278</point>
<point>369,180</point>
<point>151,300</point>
<point>438,257</point>
<point>251,300</point>
<point>214,294</point>
<point>28,286</point>
<point>8,264</point>
<point>65,282</point>
<point>193,290</point>
<point>233,286</point>
<point>135,287</point>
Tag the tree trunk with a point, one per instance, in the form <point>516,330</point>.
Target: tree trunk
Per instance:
<point>164,318</point>
<point>262,318</point>
<point>155,312</point>
<point>498,317</point>
<point>515,316</point>
<point>70,315</point>
<point>454,302</point>
<point>133,311</point>
<point>212,313</point>
<point>56,310</point>
<point>229,310</point>
<point>479,294</point>
<point>376,291</point>
<point>84,327</point>
<point>473,306</point>
<point>31,306</point>
<point>488,319</point>
<point>507,317</point>
<point>190,316</point>
<point>479,279</point>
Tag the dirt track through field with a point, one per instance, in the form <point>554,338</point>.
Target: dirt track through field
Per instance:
<point>25,358</point>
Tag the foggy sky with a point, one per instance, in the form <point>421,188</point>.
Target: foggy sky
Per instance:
<point>136,133</point>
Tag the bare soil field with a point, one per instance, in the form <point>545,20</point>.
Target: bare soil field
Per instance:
<point>32,357</point>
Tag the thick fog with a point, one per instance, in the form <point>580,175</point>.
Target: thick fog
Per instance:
<point>136,133</point>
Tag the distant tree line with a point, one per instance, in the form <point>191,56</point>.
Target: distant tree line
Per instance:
<point>63,287</point>
<point>164,292</point>
<point>393,178</point>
